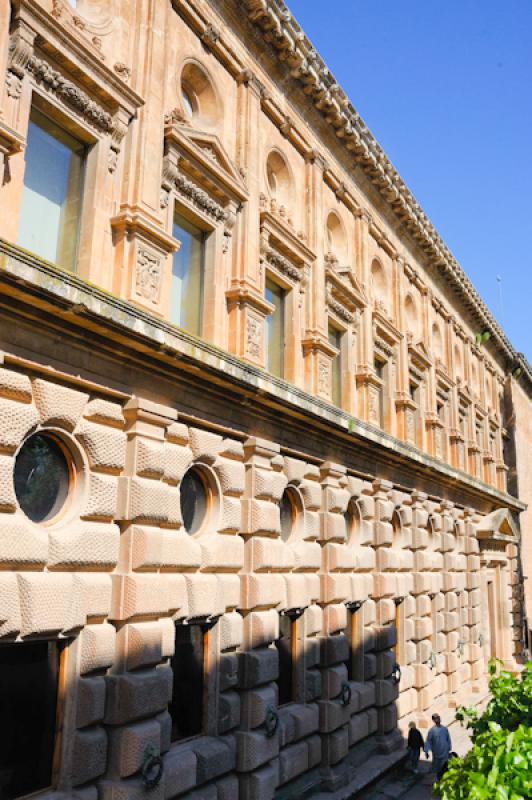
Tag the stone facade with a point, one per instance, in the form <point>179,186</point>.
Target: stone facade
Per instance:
<point>400,574</point>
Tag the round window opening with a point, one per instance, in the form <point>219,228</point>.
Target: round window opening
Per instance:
<point>188,103</point>
<point>195,500</point>
<point>43,477</point>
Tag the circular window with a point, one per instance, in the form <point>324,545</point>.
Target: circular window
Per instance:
<point>43,477</point>
<point>289,513</point>
<point>195,500</point>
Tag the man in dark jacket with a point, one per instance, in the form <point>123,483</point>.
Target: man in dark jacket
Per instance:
<point>414,744</point>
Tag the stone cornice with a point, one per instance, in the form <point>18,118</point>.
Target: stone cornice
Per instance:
<point>303,63</point>
<point>34,285</point>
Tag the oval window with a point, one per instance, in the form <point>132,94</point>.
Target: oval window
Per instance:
<point>195,500</point>
<point>289,512</point>
<point>43,477</point>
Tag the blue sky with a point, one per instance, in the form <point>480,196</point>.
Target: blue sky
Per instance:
<point>446,88</point>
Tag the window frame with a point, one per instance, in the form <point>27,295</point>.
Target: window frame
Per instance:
<point>285,292</point>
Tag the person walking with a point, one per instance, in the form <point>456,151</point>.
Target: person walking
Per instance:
<point>415,745</point>
<point>439,742</point>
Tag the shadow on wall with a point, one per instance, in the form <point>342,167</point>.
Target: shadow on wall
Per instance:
<point>299,715</point>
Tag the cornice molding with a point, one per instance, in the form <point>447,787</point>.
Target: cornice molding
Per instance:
<point>299,58</point>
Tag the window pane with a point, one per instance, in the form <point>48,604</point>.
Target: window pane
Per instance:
<point>186,299</point>
<point>275,330</point>
<point>42,478</point>
<point>335,338</point>
<point>51,199</point>
<point>186,707</point>
<point>194,501</point>
<point>29,675</point>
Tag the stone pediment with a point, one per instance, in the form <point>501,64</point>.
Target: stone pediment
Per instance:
<point>498,526</point>
<point>202,157</point>
<point>281,248</point>
<point>384,327</point>
<point>345,295</point>
<point>419,354</point>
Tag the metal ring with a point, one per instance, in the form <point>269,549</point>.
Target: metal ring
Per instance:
<point>151,761</point>
<point>271,721</point>
<point>345,694</point>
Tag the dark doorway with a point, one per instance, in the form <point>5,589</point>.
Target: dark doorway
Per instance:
<point>188,665</point>
<point>29,686</point>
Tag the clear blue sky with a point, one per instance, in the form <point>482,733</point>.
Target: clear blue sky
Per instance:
<point>446,88</point>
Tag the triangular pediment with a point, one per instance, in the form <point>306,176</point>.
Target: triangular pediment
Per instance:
<point>419,353</point>
<point>499,525</point>
<point>203,154</point>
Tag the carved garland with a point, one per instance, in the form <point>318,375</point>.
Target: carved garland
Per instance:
<point>281,263</point>
<point>339,309</point>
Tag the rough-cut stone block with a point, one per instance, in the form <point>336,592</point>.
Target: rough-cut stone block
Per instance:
<point>228,671</point>
<point>312,685</point>
<point>228,711</point>
<point>293,760</point>
<point>260,784</point>
<point>97,647</point>
<point>387,718</point>
<point>205,445</point>
<point>15,385</point>
<point>57,404</point>
<point>258,667</point>
<point>105,412</point>
<point>84,545</point>
<point>101,500</point>
<point>143,643</point>
<point>46,602</point>
<point>18,419</point>
<point>105,447</point>
<point>385,692</point>
<point>202,595</point>
<point>334,618</point>
<point>255,704</point>
<point>221,552</point>
<point>335,746</point>
<point>21,544</point>
<point>262,590</point>
<point>90,701</point>
<point>93,593</point>
<point>254,748</point>
<point>332,715</point>
<point>385,611</point>
<point>137,694</point>
<point>89,755</point>
<point>260,628</point>
<point>132,789</point>
<point>358,728</point>
<point>128,744</point>
<point>333,679</point>
<point>370,666</point>
<point>8,499</point>
<point>227,788</point>
<point>215,757</point>
<point>179,771</point>
<point>306,719</point>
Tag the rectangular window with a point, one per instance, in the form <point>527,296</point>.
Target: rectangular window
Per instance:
<point>380,371</point>
<point>275,329</point>
<point>335,338</point>
<point>186,294</point>
<point>52,195</point>
<point>29,691</point>
<point>285,647</point>
<point>188,666</point>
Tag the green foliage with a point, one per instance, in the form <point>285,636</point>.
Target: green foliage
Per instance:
<point>499,765</point>
<point>510,704</point>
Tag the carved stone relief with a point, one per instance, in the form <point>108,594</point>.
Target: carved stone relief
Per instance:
<point>148,276</point>
<point>324,376</point>
<point>254,327</point>
<point>373,398</point>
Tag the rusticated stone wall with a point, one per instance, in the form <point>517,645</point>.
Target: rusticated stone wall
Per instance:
<point>371,574</point>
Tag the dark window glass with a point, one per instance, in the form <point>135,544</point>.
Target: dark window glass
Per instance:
<point>194,501</point>
<point>288,514</point>
<point>29,676</point>
<point>186,707</point>
<point>286,666</point>
<point>335,338</point>
<point>42,477</point>
<point>275,333</point>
